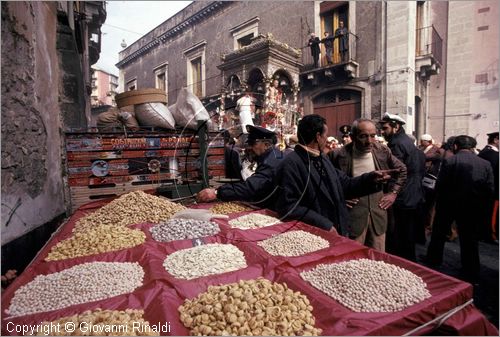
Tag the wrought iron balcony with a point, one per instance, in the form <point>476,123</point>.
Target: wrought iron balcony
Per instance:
<point>429,51</point>
<point>344,65</point>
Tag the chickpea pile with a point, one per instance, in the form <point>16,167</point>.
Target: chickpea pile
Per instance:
<point>368,286</point>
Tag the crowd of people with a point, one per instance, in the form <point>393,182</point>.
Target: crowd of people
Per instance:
<point>376,186</point>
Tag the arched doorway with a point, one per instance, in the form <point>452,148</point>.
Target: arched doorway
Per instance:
<point>338,107</point>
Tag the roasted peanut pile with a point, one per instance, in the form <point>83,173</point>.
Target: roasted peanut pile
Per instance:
<point>253,220</point>
<point>131,208</point>
<point>293,243</point>
<point>82,283</point>
<point>368,286</point>
<point>204,260</point>
<point>228,208</point>
<point>251,308</point>
<point>181,229</point>
<point>96,240</point>
<point>120,322</point>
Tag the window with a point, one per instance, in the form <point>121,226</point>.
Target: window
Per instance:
<point>245,32</point>
<point>161,78</point>
<point>196,68</point>
<point>132,84</point>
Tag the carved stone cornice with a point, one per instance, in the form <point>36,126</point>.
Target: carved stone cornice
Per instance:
<point>178,29</point>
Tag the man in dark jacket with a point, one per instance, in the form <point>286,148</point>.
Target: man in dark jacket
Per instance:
<point>315,51</point>
<point>328,42</point>
<point>311,189</point>
<point>490,153</point>
<point>405,208</point>
<point>259,188</point>
<point>369,213</point>
<point>464,186</point>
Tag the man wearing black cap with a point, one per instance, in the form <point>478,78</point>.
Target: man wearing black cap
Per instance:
<point>401,233</point>
<point>345,130</point>
<point>259,188</point>
<point>490,153</point>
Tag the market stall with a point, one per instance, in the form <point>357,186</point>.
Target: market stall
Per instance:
<point>150,274</point>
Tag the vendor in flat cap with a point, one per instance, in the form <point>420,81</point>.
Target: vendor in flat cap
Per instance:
<point>401,234</point>
<point>490,153</point>
<point>258,188</point>
<point>345,130</point>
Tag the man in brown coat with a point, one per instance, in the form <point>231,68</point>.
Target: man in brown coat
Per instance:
<point>368,214</point>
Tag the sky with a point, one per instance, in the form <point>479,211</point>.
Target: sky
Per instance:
<point>130,20</point>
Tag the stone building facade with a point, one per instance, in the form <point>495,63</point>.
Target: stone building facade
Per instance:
<point>397,58</point>
<point>47,51</point>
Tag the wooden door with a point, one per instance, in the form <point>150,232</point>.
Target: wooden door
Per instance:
<point>338,114</point>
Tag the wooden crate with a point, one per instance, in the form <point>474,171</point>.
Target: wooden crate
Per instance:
<point>108,164</point>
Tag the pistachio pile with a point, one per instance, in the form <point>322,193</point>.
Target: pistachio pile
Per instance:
<point>368,286</point>
<point>249,308</point>
<point>182,229</point>
<point>228,208</point>
<point>131,208</point>
<point>293,243</point>
<point>120,322</point>
<point>204,260</point>
<point>96,240</point>
<point>82,283</point>
<point>253,220</point>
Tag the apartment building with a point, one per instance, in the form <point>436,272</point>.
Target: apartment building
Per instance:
<point>104,85</point>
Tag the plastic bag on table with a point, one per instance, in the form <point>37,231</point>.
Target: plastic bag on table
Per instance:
<point>198,214</point>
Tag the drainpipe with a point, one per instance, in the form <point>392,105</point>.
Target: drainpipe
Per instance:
<point>383,104</point>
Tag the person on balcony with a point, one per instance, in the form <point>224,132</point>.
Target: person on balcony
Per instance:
<point>328,42</point>
<point>343,35</point>
<point>315,51</point>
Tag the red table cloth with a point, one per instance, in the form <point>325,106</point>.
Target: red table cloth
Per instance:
<point>447,311</point>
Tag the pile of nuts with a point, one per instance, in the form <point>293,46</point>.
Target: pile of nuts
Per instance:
<point>82,283</point>
<point>98,322</point>
<point>251,308</point>
<point>228,208</point>
<point>253,220</point>
<point>293,243</point>
<point>131,208</point>
<point>100,239</point>
<point>368,286</point>
<point>204,260</point>
<point>181,229</point>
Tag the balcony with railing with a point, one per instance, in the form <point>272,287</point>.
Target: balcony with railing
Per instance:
<point>429,51</point>
<point>344,64</point>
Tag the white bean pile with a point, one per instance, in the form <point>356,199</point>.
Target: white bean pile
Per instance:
<point>368,286</point>
<point>253,220</point>
<point>101,322</point>
<point>293,243</point>
<point>204,260</point>
<point>82,283</point>
<point>131,208</point>
<point>181,229</point>
<point>249,308</point>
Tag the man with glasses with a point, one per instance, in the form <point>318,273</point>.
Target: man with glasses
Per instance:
<point>259,188</point>
<point>368,213</point>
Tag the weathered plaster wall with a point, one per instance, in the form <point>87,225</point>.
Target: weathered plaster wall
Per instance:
<point>32,186</point>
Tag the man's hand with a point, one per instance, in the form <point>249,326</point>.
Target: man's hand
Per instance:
<point>351,203</point>
<point>206,195</point>
<point>387,200</point>
<point>381,176</point>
